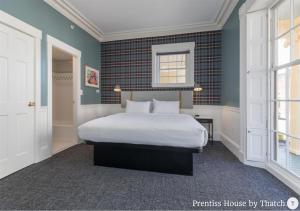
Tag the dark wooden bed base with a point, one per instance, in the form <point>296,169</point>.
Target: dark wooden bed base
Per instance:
<point>173,160</point>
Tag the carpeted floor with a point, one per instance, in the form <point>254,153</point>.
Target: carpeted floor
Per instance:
<point>69,180</point>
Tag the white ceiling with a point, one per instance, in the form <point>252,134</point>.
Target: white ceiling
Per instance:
<point>125,15</point>
<point>122,19</point>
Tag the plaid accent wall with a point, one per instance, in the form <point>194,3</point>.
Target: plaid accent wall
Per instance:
<point>129,64</point>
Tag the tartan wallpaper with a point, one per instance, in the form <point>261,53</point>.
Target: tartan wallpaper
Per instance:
<point>129,64</point>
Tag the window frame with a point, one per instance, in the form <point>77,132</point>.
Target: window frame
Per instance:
<point>175,48</point>
<point>275,67</point>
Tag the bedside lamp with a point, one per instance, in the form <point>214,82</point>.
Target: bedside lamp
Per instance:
<point>197,88</point>
<point>117,88</point>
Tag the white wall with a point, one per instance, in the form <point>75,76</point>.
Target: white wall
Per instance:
<point>208,111</point>
<point>230,130</point>
<point>89,112</point>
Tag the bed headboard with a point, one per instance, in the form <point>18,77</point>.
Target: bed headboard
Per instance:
<point>185,97</point>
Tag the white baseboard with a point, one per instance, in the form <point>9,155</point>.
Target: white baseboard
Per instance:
<point>232,146</point>
<point>287,178</point>
<point>43,149</point>
<point>255,164</point>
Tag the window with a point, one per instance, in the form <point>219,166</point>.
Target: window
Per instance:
<point>173,65</point>
<point>286,86</point>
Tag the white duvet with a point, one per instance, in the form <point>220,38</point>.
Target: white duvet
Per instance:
<point>177,130</point>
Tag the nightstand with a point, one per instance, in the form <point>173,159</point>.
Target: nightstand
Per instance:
<point>210,126</point>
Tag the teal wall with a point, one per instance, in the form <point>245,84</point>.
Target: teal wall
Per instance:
<point>231,59</point>
<point>40,15</point>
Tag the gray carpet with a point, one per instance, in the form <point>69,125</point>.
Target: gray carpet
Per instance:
<point>70,181</point>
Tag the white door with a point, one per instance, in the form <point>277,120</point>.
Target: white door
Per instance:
<point>256,86</point>
<point>16,94</point>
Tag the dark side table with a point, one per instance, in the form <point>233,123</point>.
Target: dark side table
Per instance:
<point>210,126</point>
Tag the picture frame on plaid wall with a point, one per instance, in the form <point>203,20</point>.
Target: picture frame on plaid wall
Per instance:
<point>91,77</point>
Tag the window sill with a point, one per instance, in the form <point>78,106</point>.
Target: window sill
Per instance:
<point>155,85</point>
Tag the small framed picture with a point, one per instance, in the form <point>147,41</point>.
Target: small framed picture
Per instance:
<point>91,77</point>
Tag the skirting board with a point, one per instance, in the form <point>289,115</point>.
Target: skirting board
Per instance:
<point>285,177</point>
<point>43,146</point>
<point>235,149</point>
<point>232,146</point>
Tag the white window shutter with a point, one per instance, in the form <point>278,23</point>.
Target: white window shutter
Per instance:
<point>257,86</point>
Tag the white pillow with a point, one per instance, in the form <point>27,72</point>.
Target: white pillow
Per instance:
<point>166,107</point>
<point>137,107</point>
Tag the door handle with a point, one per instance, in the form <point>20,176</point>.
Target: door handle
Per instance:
<point>31,104</point>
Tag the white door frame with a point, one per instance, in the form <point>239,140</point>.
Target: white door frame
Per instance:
<point>19,25</point>
<point>53,42</point>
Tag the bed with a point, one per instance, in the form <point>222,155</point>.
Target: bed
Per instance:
<point>172,130</point>
<point>152,142</point>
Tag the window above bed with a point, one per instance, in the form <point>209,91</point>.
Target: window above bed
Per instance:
<point>173,65</point>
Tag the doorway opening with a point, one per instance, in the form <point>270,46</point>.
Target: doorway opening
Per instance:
<point>64,64</point>
<point>63,135</point>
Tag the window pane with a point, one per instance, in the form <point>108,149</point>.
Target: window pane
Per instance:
<point>280,154</point>
<point>172,58</point>
<point>288,118</point>
<point>171,67</point>
<point>181,57</point>
<point>281,122</point>
<point>296,43</point>
<point>288,83</point>
<point>180,79</point>
<point>163,80</point>
<point>294,156</point>
<point>164,65</point>
<point>172,80</point>
<point>181,72</point>
<point>163,58</point>
<point>281,84</point>
<point>294,119</point>
<point>296,12</point>
<point>287,152</point>
<point>283,50</point>
<point>181,64</point>
<point>295,83</point>
<point>164,73</point>
<point>172,73</point>
<point>283,17</point>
